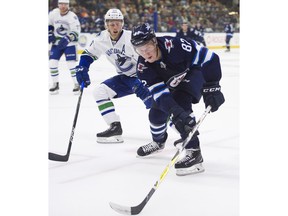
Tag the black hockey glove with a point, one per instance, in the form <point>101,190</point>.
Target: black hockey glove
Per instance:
<point>143,93</point>
<point>212,95</point>
<point>63,42</point>
<point>72,36</point>
<point>183,122</point>
<point>51,36</point>
<point>82,75</point>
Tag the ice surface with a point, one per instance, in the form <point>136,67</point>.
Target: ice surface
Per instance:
<point>99,173</point>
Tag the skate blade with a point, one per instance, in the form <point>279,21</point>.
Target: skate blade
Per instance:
<point>197,168</point>
<point>54,92</point>
<point>76,92</point>
<point>148,156</point>
<point>107,140</point>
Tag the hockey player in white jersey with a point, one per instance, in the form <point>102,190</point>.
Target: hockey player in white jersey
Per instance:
<point>63,33</point>
<point>114,43</point>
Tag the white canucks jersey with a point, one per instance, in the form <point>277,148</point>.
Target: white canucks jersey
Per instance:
<point>122,54</point>
<point>64,24</point>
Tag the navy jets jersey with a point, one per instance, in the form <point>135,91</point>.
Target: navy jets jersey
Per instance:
<point>229,30</point>
<point>198,32</point>
<point>179,58</point>
<point>186,35</point>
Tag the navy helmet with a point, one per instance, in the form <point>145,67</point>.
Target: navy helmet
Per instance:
<point>142,34</point>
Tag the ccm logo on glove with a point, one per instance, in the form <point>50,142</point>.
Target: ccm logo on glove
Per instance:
<point>211,89</point>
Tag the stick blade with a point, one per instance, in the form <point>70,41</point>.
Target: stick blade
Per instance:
<point>56,157</point>
<point>125,210</point>
<point>121,209</point>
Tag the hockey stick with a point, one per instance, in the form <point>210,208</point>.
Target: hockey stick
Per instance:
<point>134,210</point>
<point>64,158</point>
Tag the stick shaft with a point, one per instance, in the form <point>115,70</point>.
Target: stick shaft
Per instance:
<point>64,158</point>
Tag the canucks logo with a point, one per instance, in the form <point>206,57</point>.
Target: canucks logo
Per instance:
<point>61,30</point>
<point>121,59</point>
<point>120,63</point>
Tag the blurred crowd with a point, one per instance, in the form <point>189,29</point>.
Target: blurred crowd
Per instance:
<point>171,14</point>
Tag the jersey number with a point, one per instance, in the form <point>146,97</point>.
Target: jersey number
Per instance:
<point>186,45</point>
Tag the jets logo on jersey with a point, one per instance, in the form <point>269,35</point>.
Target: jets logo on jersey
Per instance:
<point>141,67</point>
<point>168,44</point>
<point>177,79</point>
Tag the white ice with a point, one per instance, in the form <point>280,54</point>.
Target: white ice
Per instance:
<point>99,173</point>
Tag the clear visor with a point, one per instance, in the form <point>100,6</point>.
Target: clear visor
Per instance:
<point>146,48</point>
<point>113,23</point>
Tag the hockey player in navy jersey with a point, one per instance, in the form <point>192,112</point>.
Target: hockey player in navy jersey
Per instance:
<point>185,31</point>
<point>229,30</point>
<point>198,31</point>
<point>177,72</point>
<point>114,43</point>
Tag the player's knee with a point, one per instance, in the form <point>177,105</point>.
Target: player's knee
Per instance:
<point>103,92</point>
<point>157,116</point>
<point>53,63</point>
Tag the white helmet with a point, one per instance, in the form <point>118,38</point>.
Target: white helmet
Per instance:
<point>63,1</point>
<point>113,14</point>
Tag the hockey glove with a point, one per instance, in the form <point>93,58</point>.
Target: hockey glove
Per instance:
<point>143,93</point>
<point>212,95</point>
<point>82,75</point>
<point>51,36</point>
<point>63,42</point>
<point>183,122</point>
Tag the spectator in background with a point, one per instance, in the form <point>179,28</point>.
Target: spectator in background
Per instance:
<point>171,24</point>
<point>212,12</point>
<point>99,22</point>
<point>93,16</point>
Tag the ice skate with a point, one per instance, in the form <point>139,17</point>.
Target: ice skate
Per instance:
<point>150,148</point>
<point>76,89</point>
<point>54,89</point>
<point>190,164</point>
<point>111,135</point>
